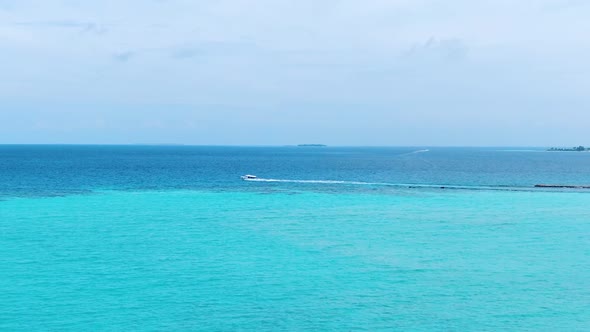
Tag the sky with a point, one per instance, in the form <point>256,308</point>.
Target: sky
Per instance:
<point>277,72</point>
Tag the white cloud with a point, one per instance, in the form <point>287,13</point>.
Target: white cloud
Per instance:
<point>400,62</point>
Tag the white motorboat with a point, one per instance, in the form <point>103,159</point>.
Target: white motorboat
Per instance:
<point>249,177</point>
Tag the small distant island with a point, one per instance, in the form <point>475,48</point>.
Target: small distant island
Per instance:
<point>575,148</point>
<point>313,145</point>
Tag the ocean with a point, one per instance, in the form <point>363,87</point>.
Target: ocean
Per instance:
<point>152,238</point>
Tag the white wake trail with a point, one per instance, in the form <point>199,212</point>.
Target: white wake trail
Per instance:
<point>420,151</point>
<point>399,185</point>
<point>413,152</point>
<point>318,181</point>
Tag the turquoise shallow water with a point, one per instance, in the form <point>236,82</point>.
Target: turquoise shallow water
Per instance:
<point>153,238</point>
<point>292,259</point>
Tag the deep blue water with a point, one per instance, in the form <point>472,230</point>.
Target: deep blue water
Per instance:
<point>170,238</point>
<point>53,170</point>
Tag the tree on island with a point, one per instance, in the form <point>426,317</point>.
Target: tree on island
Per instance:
<point>578,149</point>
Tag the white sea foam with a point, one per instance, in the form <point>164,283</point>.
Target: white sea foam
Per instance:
<point>354,183</point>
<point>318,181</point>
<point>414,152</point>
<point>399,185</point>
<point>420,151</point>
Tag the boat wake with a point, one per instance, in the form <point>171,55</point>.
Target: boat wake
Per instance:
<point>419,151</point>
<point>362,183</point>
<point>413,152</point>
<point>316,181</point>
<point>410,185</point>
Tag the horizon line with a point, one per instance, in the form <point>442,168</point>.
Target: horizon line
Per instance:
<point>283,145</point>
